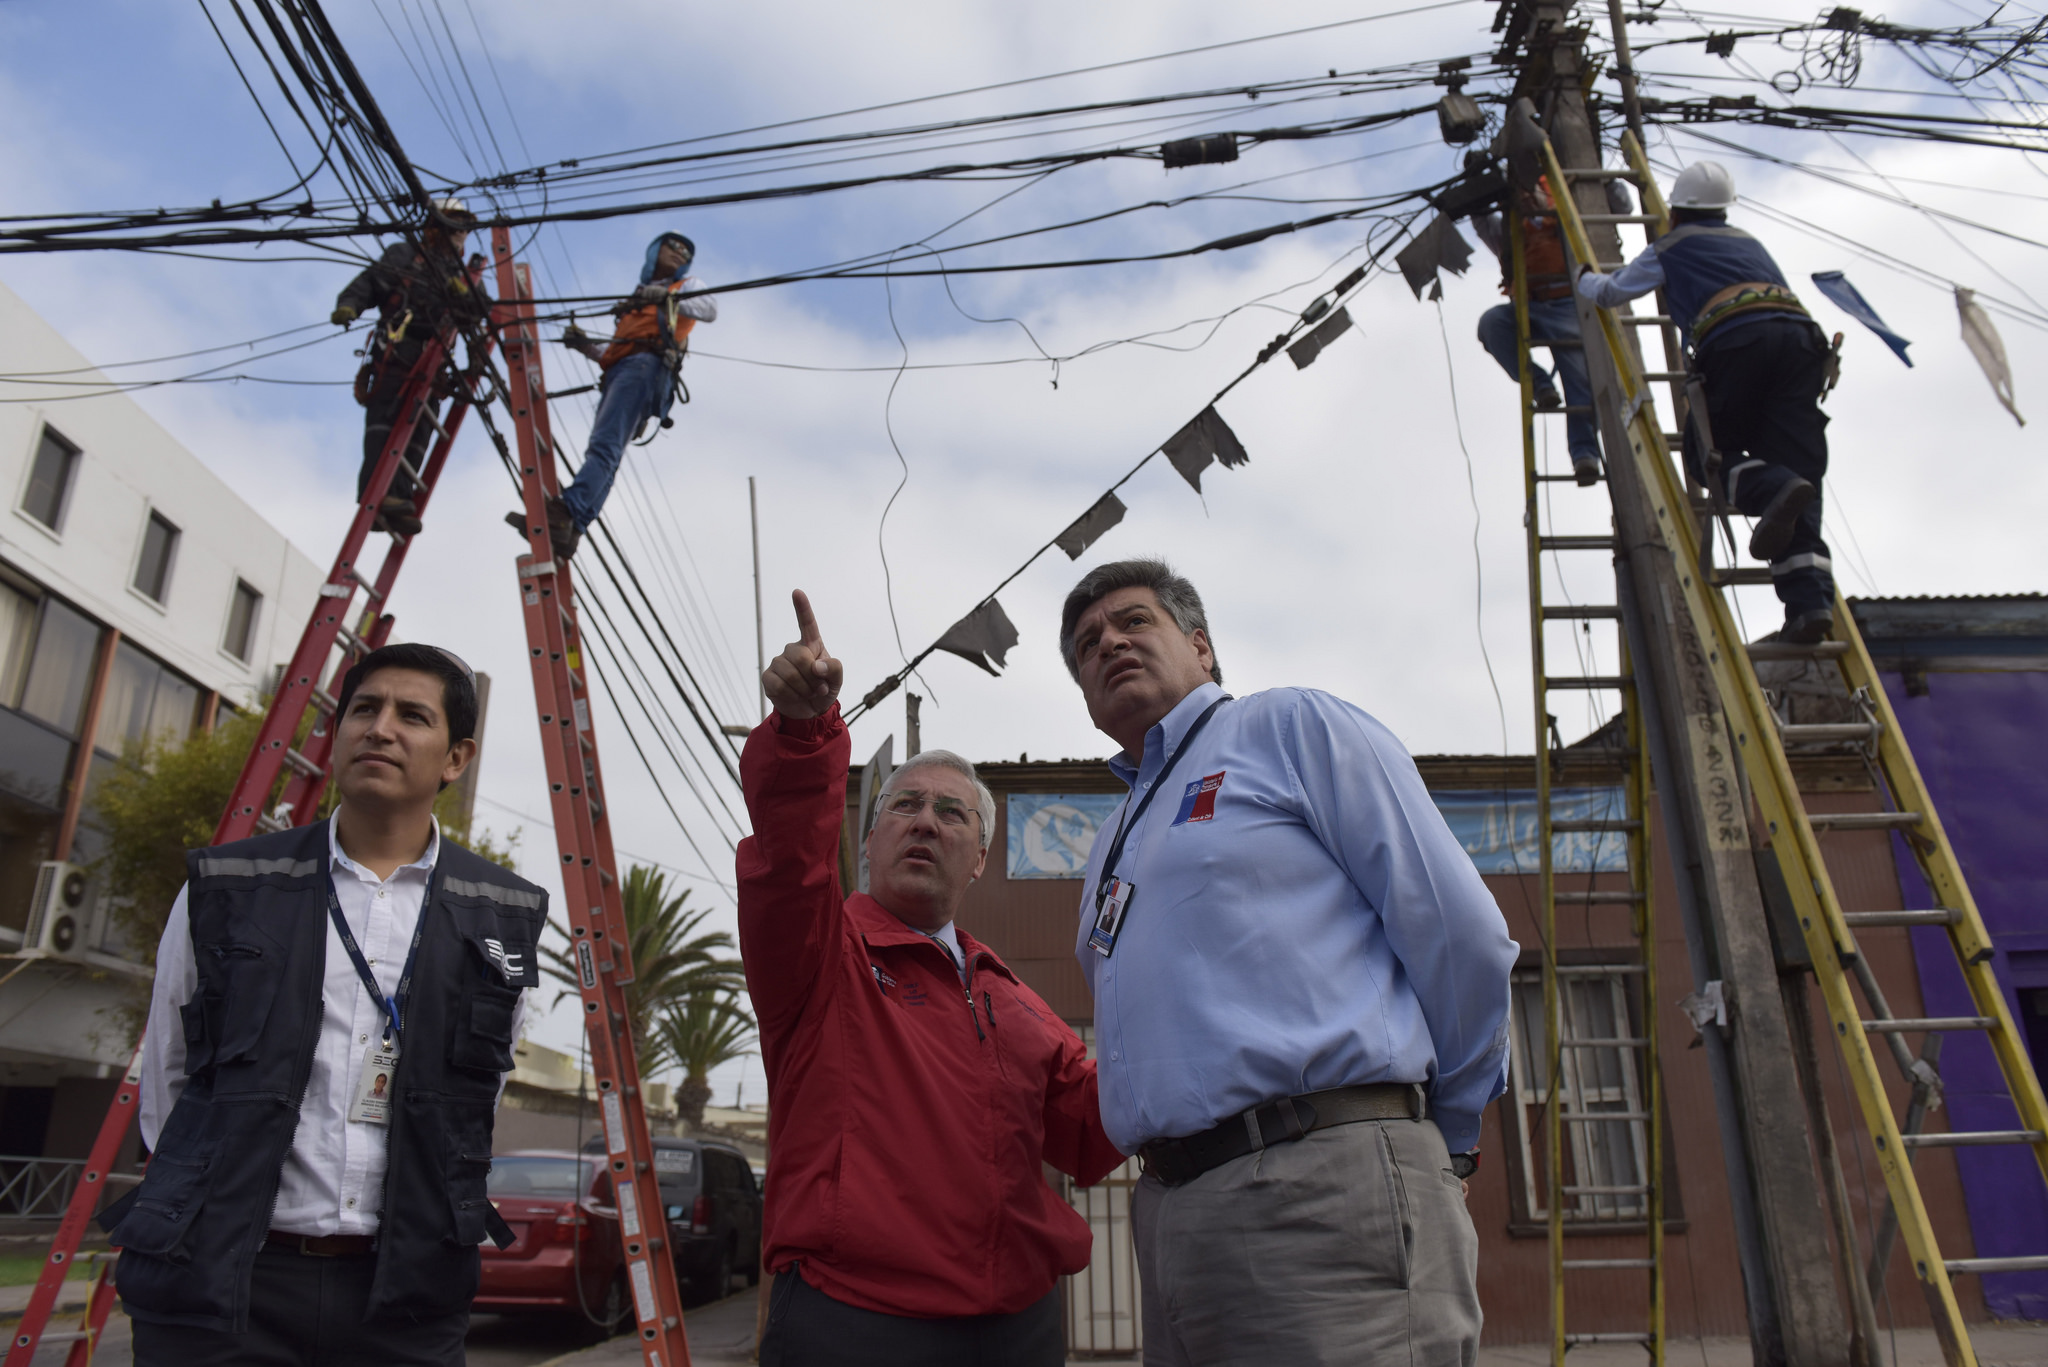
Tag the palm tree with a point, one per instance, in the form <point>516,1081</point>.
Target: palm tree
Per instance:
<point>672,962</point>
<point>703,1031</point>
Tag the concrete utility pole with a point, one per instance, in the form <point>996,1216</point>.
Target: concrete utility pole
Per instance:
<point>760,638</point>
<point>1795,1308</point>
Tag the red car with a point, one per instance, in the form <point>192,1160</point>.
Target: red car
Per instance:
<point>568,1259</point>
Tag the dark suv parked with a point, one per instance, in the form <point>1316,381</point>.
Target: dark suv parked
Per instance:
<point>714,1211</point>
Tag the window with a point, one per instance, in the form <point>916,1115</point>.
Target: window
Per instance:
<point>17,633</point>
<point>159,549</point>
<point>243,611</point>
<point>60,666</point>
<point>1599,1074</point>
<point>49,479</point>
<point>144,701</point>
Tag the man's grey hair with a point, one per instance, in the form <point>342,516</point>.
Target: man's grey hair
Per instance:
<point>984,800</point>
<point>1174,593</point>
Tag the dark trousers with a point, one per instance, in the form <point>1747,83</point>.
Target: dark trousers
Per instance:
<point>1764,381</point>
<point>807,1328</point>
<point>306,1312</point>
<point>381,415</point>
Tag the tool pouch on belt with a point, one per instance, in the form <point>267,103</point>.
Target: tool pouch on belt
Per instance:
<point>1751,296</point>
<point>366,379</point>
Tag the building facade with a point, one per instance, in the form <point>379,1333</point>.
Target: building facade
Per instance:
<point>139,596</point>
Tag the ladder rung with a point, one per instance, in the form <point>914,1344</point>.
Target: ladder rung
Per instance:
<point>1664,376</point>
<point>1650,219</point>
<point>1568,343</point>
<point>349,641</point>
<point>1569,410</point>
<point>1610,1338</point>
<point>1587,612</point>
<point>1644,320</point>
<point>2030,1263</point>
<point>300,764</point>
<point>1938,916</point>
<point>1596,898</point>
<point>1599,173</point>
<point>1956,1139</point>
<point>1862,821</point>
<point>1599,970</point>
<point>324,700</point>
<point>1792,650</point>
<point>270,823</point>
<point>1589,681</point>
<point>1589,1264</point>
<point>1590,827</point>
<point>1606,1191</point>
<point>1808,733</point>
<point>1913,1025</point>
<point>1600,1118</point>
<point>1575,543</point>
<point>1722,576</point>
<point>64,1336</point>
<point>1568,479</point>
<point>1619,1043</point>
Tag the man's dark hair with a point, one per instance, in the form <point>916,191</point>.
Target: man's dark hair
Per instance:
<point>458,684</point>
<point>1174,593</point>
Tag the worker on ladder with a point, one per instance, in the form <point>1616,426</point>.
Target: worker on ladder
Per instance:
<point>642,373</point>
<point>419,290</point>
<point>1764,365</point>
<point>1552,318</point>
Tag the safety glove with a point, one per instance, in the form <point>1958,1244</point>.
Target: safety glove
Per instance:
<point>342,316</point>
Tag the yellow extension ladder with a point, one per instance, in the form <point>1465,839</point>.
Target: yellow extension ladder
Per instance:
<point>1605,1164</point>
<point>1760,738</point>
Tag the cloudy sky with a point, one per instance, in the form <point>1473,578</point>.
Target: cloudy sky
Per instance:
<point>1373,545</point>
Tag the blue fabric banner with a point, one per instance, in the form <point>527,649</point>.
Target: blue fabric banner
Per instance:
<point>1836,286</point>
<point>1050,834</point>
<point>1498,828</point>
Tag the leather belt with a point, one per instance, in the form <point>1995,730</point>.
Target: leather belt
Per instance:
<point>321,1245</point>
<point>1179,1161</point>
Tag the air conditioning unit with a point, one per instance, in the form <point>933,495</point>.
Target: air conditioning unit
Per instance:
<point>58,913</point>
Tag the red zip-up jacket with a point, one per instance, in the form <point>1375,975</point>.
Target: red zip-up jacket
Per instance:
<point>907,1116</point>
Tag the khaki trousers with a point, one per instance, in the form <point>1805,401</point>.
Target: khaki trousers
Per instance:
<point>1350,1246</point>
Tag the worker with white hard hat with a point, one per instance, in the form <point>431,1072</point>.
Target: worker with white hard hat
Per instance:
<point>1764,363</point>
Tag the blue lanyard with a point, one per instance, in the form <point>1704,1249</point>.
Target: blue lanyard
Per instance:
<point>1131,820</point>
<point>393,1006</point>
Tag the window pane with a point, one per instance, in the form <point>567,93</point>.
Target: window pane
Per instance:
<point>50,479</point>
<point>17,630</point>
<point>131,687</point>
<point>159,544</point>
<point>174,709</point>
<point>60,670</point>
<point>242,614</point>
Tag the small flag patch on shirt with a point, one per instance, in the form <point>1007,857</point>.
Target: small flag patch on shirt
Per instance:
<point>1198,803</point>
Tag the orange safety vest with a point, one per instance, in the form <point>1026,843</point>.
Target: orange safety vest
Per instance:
<point>640,330</point>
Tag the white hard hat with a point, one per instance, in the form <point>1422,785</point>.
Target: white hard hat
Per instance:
<point>1703,185</point>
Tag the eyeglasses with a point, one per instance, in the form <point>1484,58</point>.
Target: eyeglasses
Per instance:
<point>950,811</point>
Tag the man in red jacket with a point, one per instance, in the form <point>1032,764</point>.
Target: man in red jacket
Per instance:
<point>915,1085</point>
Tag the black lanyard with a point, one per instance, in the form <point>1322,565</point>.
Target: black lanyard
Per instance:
<point>392,1006</point>
<point>1132,818</point>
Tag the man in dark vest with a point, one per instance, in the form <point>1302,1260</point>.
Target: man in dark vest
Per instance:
<point>290,1213</point>
<point>1764,363</point>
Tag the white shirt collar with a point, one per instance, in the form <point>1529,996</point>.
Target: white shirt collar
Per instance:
<point>950,938</point>
<point>338,858</point>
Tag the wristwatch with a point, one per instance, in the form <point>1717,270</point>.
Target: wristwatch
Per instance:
<point>1463,1165</point>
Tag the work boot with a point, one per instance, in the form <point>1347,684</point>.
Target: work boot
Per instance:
<point>1779,519</point>
<point>1586,470</point>
<point>1808,628</point>
<point>400,515</point>
<point>1547,399</point>
<point>563,533</point>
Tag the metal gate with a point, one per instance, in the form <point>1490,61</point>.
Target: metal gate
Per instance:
<point>1102,1298</point>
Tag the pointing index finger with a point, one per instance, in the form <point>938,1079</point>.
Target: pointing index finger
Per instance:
<point>806,622</point>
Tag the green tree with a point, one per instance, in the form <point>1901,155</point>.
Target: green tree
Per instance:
<point>673,960</point>
<point>166,796</point>
<point>706,1029</point>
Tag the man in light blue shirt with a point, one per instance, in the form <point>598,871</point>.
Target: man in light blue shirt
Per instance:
<point>1301,1003</point>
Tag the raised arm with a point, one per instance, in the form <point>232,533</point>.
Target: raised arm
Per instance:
<point>793,773</point>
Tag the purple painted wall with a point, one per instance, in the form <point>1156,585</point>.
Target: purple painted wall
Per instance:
<point>1981,740</point>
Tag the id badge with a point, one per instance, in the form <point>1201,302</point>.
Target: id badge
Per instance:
<point>374,1088</point>
<point>1109,917</point>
